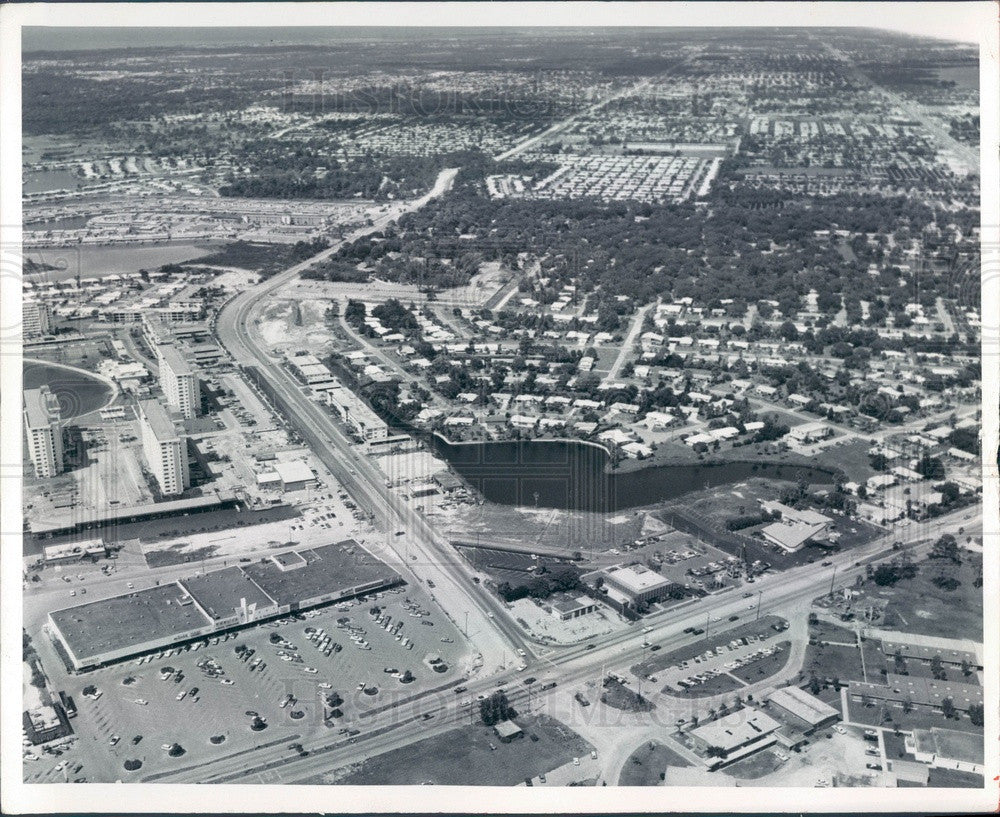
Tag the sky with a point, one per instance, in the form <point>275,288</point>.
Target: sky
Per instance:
<point>957,21</point>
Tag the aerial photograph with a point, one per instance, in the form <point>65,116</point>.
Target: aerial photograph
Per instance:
<point>532,407</point>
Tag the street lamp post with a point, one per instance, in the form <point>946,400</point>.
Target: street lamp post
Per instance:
<point>760,595</point>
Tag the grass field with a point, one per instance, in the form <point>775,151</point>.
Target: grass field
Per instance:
<point>829,661</point>
<point>917,605</point>
<point>953,779</point>
<point>754,766</point>
<point>851,458</point>
<point>765,667</point>
<point>462,757</point>
<point>619,696</point>
<point>647,763</point>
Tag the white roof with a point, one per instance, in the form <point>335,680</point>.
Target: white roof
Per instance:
<point>295,471</point>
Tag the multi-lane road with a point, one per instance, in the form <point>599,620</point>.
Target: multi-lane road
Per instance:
<point>416,720</point>
<point>422,555</point>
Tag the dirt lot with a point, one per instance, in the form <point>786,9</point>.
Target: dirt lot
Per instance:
<point>463,757</point>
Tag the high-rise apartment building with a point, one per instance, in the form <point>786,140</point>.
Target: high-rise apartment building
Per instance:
<point>43,432</point>
<point>165,447</point>
<point>178,381</point>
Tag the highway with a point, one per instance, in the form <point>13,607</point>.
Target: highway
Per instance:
<point>423,556</point>
<point>416,720</point>
<point>420,546</point>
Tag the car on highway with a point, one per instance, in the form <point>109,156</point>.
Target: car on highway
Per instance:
<point>114,740</point>
<point>529,680</point>
<point>181,695</point>
<point>734,618</point>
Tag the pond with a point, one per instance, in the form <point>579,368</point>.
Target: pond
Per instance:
<point>571,475</point>
<point>78,392</point>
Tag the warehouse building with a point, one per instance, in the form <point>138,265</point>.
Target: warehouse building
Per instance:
<point>808,710</point>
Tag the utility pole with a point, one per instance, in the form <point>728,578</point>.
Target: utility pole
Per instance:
<point>466,623</point>
<point>834,576</point>
<point>760,595</point>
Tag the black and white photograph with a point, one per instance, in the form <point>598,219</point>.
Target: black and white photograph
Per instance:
<point>563,397</point>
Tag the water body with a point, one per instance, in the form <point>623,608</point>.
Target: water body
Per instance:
<point>78,392</point>
<point>67,223</point>
<point>95,261</point>
<point>571,475</point>
<point>42,181</point>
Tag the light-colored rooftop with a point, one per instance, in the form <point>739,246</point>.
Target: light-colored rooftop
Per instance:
<point>803,705</point>
<point>158,420</point>
<point>172,357</point>
<point>295,471</point>
<point>737,729</point>
<point>40,409</point>
<point>637,578</point>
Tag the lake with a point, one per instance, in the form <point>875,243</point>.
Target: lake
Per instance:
<point>78,392</point>
<point>571,475</point>
<point>41,181</point>
<point>94,261</point>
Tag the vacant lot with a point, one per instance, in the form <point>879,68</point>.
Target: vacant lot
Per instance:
<point>619,696</point>
<point>852,458</point>
<point>462,757</point>
<point>828,661</point>
<point>647,764</point>
<point>765,667</point>
<point>917,605</point>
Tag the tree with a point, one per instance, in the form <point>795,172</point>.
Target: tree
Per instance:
<point>946,548</point>
<point>948,708</point>
<point>976,714</point>
<point>966,667</point>
<point>355,312</point>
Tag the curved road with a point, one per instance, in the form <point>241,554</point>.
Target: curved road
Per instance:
<point>420,546</point>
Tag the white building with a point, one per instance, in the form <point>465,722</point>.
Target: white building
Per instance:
<point>178,381</point>
<point>356,413</point>
<point>165,448</point>
<point>41,427</point>
<point>35,319</point>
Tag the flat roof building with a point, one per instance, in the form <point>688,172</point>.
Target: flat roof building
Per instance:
<point>738,734</point>
<point>805,707</point>
<point>791,536</point>
<point>142,621</point>
<point>295,475</point>
<point>357,414</point>
<point>637,582</point>
<point>178,381</point>
<point>43,432</point>
<point>165,448</point>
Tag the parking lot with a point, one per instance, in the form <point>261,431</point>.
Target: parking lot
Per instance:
<point>280,675</point>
